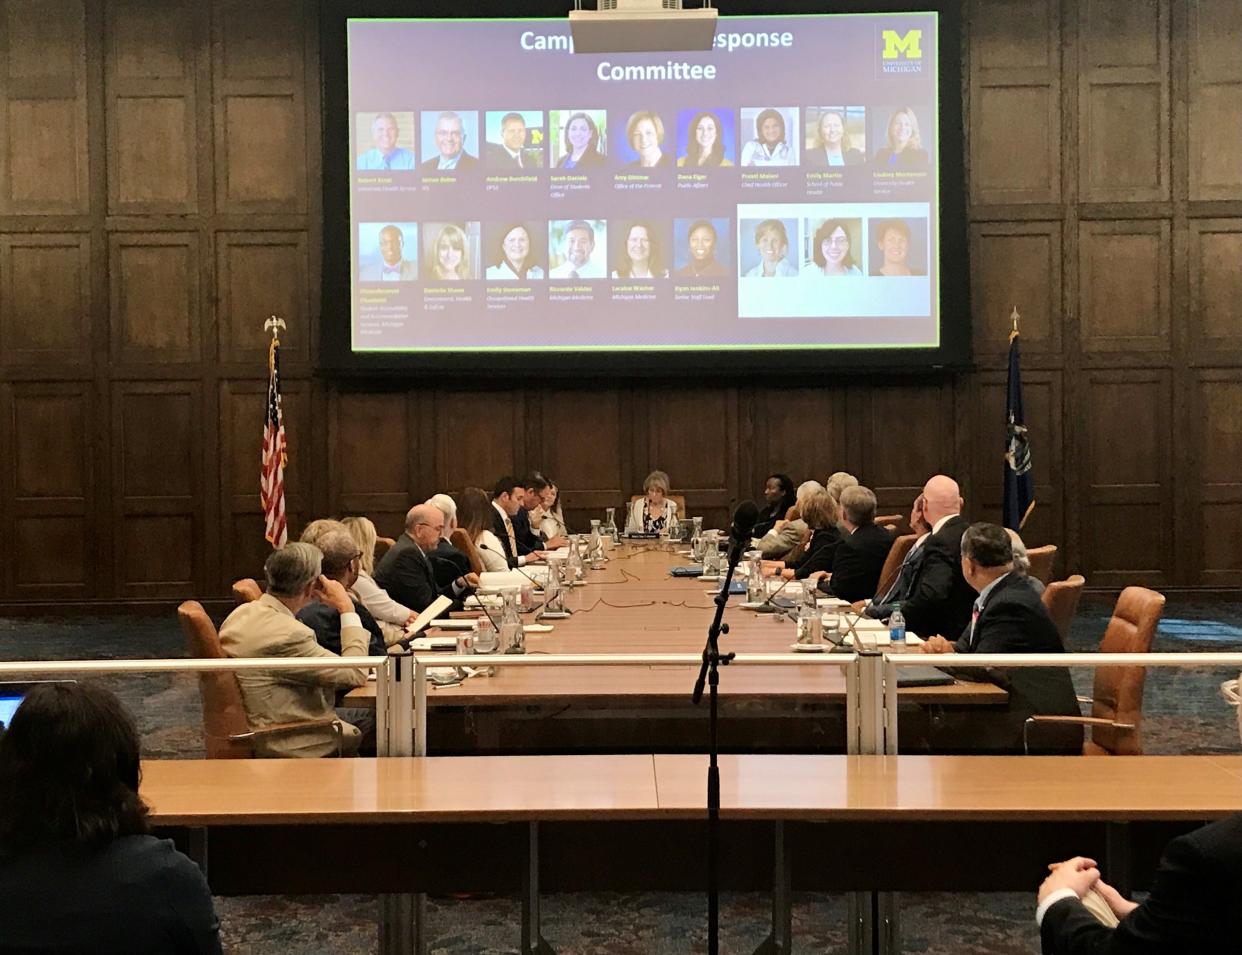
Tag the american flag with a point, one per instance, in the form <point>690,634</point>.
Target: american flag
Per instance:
<point>275,455</point>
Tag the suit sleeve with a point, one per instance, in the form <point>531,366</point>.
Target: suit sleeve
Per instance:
<point>847,569</point>
<point>1183,909</point>
<point>1069,929</point>
<point>409,583</point>
<point>935,585</point>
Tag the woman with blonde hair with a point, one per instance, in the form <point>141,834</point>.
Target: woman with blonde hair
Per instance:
<point>450,259</point>
<point>821,512</point>
<point>654,511</point>
<point>391,616</point>
<point>905,147</point>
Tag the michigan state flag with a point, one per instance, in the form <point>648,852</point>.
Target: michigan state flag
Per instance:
<point>1019,481</point>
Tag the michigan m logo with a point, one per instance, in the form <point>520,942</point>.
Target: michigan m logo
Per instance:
<point>906,46</point>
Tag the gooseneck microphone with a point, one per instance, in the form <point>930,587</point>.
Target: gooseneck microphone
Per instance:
<point>744,520</point>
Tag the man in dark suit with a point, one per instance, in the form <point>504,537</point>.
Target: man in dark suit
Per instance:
<point>447,561</point>
<point>529,538</point>
<point>934,596</point>
<point>341,562</point>
<point>862,551</point>
<point>507,499</point>
<point>512,152</point>
<point>406,571</point>
<point>1193,906</point>
<point>1009,617</point>
<point>450,136</point>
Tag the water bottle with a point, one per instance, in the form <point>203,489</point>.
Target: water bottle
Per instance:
<point>610,525</point>
<point>674,528</point>
<point>754,579</point>
<point>596,547</point>
<point>553,596</point>
<point>897,628</point>
<point>485,642</point>
<point>512,636</point>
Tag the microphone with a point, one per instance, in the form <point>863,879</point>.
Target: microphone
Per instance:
<point>772,596</point>
<point>537,583</point>
<point>744,520</point>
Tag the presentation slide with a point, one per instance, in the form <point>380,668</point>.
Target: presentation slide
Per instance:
<point>779,191</point>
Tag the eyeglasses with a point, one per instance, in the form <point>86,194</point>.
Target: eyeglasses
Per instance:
<point>837,241</point>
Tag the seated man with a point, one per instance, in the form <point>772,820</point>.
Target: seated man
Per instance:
<point>406,571</point>
<point>341,562</point>
<point>267,627</point>
<point>446,560</point>
<point>862,551</point>
<point>1193,905</point>
<point>933,594</point>
<point>508,498</point>
<point>1009,617</point>
<point>786,535</point>
<point>529,516</point>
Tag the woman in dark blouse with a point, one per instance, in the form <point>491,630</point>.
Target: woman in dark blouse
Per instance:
<point>778,498</point>
<point>79,870</point>
<point>820,512</point>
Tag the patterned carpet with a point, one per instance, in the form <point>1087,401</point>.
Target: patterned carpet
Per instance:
<point>1183,713</point>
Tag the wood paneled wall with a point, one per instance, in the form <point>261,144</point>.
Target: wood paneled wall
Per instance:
<point>159,196</point>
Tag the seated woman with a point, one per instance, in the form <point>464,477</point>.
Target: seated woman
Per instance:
<point>391,616</point>
<point>703,263</point>
<point>786,534</point>
<point>706,146</point>
<point>552,524</point>
<point>652,513</point>
<point>581,143</point>
<point>819,510</point>
<point>778,498</point>
<point>831,249</point>
<point>904,149</point>
<point>645,134</point>
<point>450,259</point>
<point>515,259</point>
<point>642,258</point>
<point>474,516</point>
<point>79,869</point>
<point>772,241</point>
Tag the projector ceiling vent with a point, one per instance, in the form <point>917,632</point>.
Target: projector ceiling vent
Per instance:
<point>642,26</point>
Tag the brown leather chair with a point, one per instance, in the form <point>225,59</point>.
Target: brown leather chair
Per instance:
<point>460,539</point>
<point>226,731</point>
<point>1061,601</point>
<point>892,563</point>
<point>891,521</point>
<point>246,590</point>
<point>1042,559</point>
<point>382,546</point>
<point>1117,706</point>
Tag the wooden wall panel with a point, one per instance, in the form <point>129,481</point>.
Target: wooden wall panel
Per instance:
<point>1216,283</point>
<point>801,432</point>
<point>1218,467</point>
<point>1128,415</point>
<point>1015,52</point>
<point>1124,101</point>
<point>690,436</point>
<point>260,110</point>
<point>49,480</point>
<point>1215,99</point>
<point>907,436</point>
<point>1016,264</point>
<point>45,298</point>
<point>155,297</point>
<point>585,442</point>
<point>480,437</point>
<point>159,510</point>
<point>259,274</point>
<point>371,471</point>
<point>43,125</point>
<point>152,78</point>
<point>1125,285</point>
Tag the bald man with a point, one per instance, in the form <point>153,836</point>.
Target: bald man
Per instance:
<point>934,596</point>
<point>406,571</point>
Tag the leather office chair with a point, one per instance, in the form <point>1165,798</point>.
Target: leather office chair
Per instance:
<point>226,731</point>
<point>1061,601</point>
<point>382,546</point>
<point>1117,705</point>
<point>461,540</point>
<point>246,590</point>
<point>1042,559</point>
<point>892,563</point>
<point>890,521</point>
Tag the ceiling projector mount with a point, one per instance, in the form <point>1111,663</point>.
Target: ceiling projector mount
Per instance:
<point>642,26</point>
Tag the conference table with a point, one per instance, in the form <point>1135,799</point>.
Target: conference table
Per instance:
<point>633,605</point>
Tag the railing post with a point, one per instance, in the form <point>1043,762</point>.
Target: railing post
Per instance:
<point>401,915</point>
<point>419,708</point>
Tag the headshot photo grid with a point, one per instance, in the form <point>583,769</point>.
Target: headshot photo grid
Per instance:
<point>649,196</point>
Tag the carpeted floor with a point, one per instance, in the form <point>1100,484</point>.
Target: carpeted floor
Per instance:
<point>1183,713</point>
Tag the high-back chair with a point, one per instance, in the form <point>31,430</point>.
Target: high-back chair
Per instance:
<point>890,521</point>
<point>460,539</point>
<point>246,590</point>
<point>226,731</point>
<point>892,563</point>
<point>1117,700</point>
<point>1042,559</point>
<point>1061,601</point>
<point>382,546</point>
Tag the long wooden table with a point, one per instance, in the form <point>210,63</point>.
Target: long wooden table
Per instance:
<point>633,605</point>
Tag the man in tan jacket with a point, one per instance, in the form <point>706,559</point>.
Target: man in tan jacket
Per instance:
<point>267,627</point>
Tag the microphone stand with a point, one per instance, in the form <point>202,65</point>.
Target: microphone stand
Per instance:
<point>709,673</point>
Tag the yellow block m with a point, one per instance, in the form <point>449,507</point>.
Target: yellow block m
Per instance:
<point>907,46</point>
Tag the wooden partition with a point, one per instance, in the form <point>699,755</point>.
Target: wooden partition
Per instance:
<point>160,196</point>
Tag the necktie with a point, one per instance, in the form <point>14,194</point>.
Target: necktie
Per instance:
<point>512,537</point>
<point>974,618</point>
<point>573,274</point>
<point>388,162</point>
<point>902,584</point>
